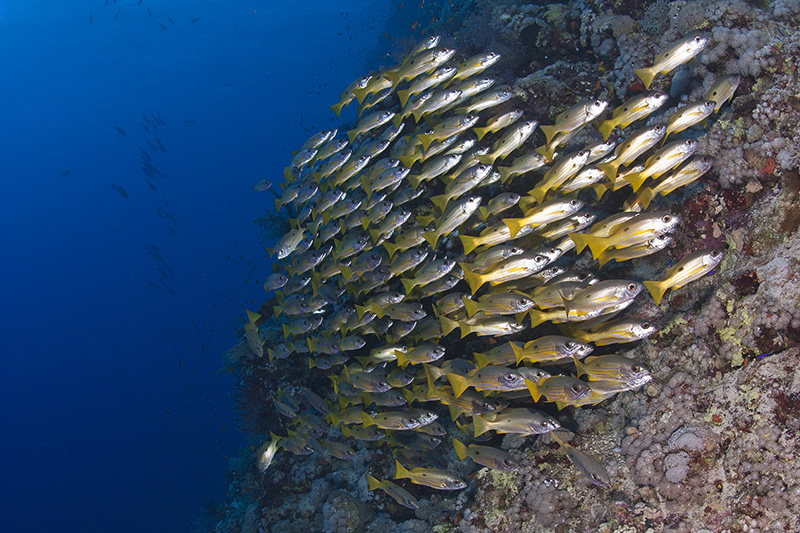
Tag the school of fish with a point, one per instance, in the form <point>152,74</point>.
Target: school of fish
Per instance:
<point>373,290</point>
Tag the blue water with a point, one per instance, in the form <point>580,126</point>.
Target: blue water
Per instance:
<point>115,415</point>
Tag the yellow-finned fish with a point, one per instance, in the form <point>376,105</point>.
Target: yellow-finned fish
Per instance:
<point>422,63</point>
<point>429,477</point>
<point>484,327</point>
<point>522,165</point>
<point>659,242</point>
<point>429,274</point>
<point>692,267</point>
<point>591,300</point>
<point>288,243</point>
<point>517,420</point>
<point>485,101</point>
<point>676,55</point>
<point>475,65</point>
<point>496,378</point>
<point>398,493</point>
<point>498,122</point>
<point>613,368</point>
<point>588,465</point>
<point>512,139</point>
<point>508,303</point>
<point>461,184</point>
<point>408,239</point>
<point>497,234</point>
<point>549,211</point>
<point>549,349</point>
<point>253,336</point>
<point>566,167</point>
<point>439,77</point>
<point>668,157</point>
<point>436,103</point>
<point>637,143</point>
<point>486,456</point>
<point>266,453</point>
<point>434,168</point>
<point>635,108</point>
<point>515,267</point>
<point>349,93</point>
<point>575,117</point>
<point>447,128</point>
<point>563,390</point>
<point>687,116</point>
<point>639,228</point>
<point>680,177</point>
<point>457,214</point>
<point>370,122</point>
<point>722,90</point>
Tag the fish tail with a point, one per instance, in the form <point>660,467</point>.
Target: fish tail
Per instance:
<point>538,193</point>
<point>367,186</point>
<point>372,483</point>
<point>311,343</point>
<point>363,360</point>
<point>278,204</point>
<point>514,226</point>
<point>271,355</point>
<point>400,471</point>
<point>432,237</point>
<point>447,324</point>
<point>470,305</point>
<point>360,94</point>
<point>375,234</point>
<point>360,310</point>
<point>407,160</point>
<point>466,329</point>
<point>402,358</point>
<point>480,425</point>
<point>484,212</point>
<point>481,132</point>
<point>347,273</point>
<point>646,195</point>
<point>609,168</point>
<point>460,449</point>
<point>414,180</point>
<point>487,159</point>
<point>657,289</point>
<point>533,388</point>
<point>337,108</point>
<point>426,139</point>
<point>537,317</point>
<point>378,310</point>
<point>635,179</point>
<point>253,317</point>
<point>474,279</point>
<point>481,359</point>
<point>578,365</point>
<point>391,248</point>
<point>403,95</point>
<point>519,353</point>
<point>367,420</point>
<point>459,383</point>
<point>549,132</point>
<point>408,285</point>
<point>469,242</point>
<point>352,134</point>
<point>600,189</point>
<point>505,173</point>
<point>526,202</point>
<point>286,331</point>
<point>440,201</point>
<point>646,75</point>
<point>424,220</point>
<point>605,128</point>
<point>604,258</point>
<point>311,362</point>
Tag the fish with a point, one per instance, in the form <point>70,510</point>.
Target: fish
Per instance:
<point>677,54</point>
<point>266,453</point>
<point>545,213</point>
<point>486,456</point>
<point>370,122</point>
<point>396,492</point>
<point>475,65</point>
<point>687,116</point>
<point>613,368</point>
<point>687,173</point>
<point>498,122</point>
<point>567,167</point>
<point>519,420</point>
<point>447,128</point>
<point>639,228</point>
<point>465,182</point>
<point>512,139</point>
<point>549,349</point>
<point>509,303</point>
<point>493,378</point>
<point>575,117</point>
<point>253,336</point>
<point>588,465</point>
<point>659,242</point>
<point>636,144</point>
<point>119,130</point>
<point>430,477</point>
<point>635,108</point>
<point>515,267</point>
<point>120,190</point>
<point>562,390</point>
<point>485,101</point>
<point>692,267</point>
<point>722,90</point>
<point>453,217</point>
<point>438,77</point>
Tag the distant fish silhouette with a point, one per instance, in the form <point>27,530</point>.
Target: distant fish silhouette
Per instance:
<point>90,17</point>
<point>154,286</point>
<point>116,15</point>
<point>190,121</point>
<point>139,3</point>
<point>170,20</point>
<point>162,26</point>
<point>66,172</point>
<point>119,130</point>
<point>148,11</point>
<point>195,20</point>
<point>120,190</point>
<point>152,186</point>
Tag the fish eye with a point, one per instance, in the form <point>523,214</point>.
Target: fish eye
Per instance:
<point>646,325</point>
<point>576,388</point>
<point>569,344</point>
<point>573,202</point>
<point>521,302</point>
<point>697,39</point>
<point>636,369</point>
<point>666,218</point>
<point>631,286</point>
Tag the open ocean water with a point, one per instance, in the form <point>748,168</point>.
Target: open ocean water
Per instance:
<point>131,133</point>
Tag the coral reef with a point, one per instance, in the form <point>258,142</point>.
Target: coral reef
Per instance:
<point>712,443</point>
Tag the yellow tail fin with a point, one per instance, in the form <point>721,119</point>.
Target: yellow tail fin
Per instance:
<point>459,383</point>
<point>646,196</point>
<point>426,139</point>
<point>606,127</point>
<point>408,285</point>
<point>657,289</point>
<point>474,279</point>
<point>469,242</point>
<point>470,305</point>
<point>460,449</point>
<point>646,75</point>
<point>533,389</point>
<point>480,425</point>
<point>549,132</point>
<point>440,202</point>
<point>514,226</point>
<point>447,324</point>
<point>481,132</point>
<point>635,179</point>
